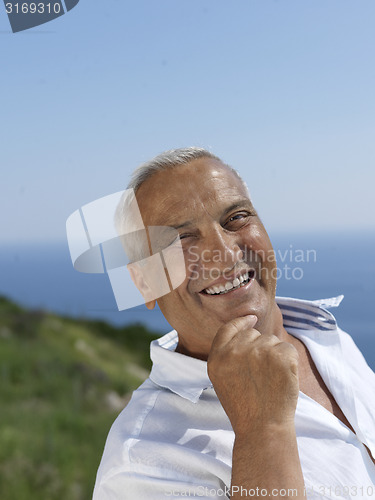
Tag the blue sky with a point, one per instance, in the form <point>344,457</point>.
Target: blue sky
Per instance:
<point>281,90</point>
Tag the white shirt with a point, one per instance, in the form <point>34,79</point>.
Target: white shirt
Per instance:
<point>174,439</point>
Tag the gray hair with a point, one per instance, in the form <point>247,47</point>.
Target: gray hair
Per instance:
<point>164,161</point>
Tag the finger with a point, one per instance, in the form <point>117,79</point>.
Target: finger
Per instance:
<point>246,337</point>
<point>226,333</point>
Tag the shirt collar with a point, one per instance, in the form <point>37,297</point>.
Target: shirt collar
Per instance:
<point>184,375</point>
<point>187,376</point>
<point>301,314</point>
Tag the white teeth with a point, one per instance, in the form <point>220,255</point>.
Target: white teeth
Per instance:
<point>236,283</point>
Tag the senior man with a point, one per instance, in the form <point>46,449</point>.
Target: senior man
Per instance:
<point>249,395</point>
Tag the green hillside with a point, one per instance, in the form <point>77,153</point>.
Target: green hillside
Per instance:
<point>63,382</point>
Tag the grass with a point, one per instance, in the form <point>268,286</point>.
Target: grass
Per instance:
<point>62,383</point>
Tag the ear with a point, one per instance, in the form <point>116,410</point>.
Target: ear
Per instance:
<point>150,305</point>
<point>138,277</point>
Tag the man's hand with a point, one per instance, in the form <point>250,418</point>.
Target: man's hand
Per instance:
<point>255,376</point>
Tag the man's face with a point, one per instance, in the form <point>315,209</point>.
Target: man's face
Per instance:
<point>229,261</point>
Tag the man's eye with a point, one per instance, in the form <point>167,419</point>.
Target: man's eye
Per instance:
<point>239,216</point>
<point>184,236</point>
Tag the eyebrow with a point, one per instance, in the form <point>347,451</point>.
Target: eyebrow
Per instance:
<point>241,203</point>
<point>184,224</point>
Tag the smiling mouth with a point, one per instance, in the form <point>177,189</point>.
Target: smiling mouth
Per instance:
<point>230,286</point>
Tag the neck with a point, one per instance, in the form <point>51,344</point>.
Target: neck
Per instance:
<point>273,325</point>
<point>192,353</point>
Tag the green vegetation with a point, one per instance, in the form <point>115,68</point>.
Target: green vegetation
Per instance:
<point>63,382</point>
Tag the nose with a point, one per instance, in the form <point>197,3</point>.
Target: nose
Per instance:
<point>221,248</point>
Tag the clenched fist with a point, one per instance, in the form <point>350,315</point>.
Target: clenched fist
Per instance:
<point>255,375</point>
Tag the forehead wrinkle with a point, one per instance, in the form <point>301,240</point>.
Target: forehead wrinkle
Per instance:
<point>182,213</point>
<point>222,198</point>
<point>228,197</point>
<point>189,201</point>
<point>173,212</point>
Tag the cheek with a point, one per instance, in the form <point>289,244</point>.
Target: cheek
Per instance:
<point>263,255</point>
<point>180,294</point>
<point>258,249</point>
<point>194,264</point>
<point>192,270</point>
<point>178,269</point>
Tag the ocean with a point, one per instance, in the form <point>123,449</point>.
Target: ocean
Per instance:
<point>311,266</point>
